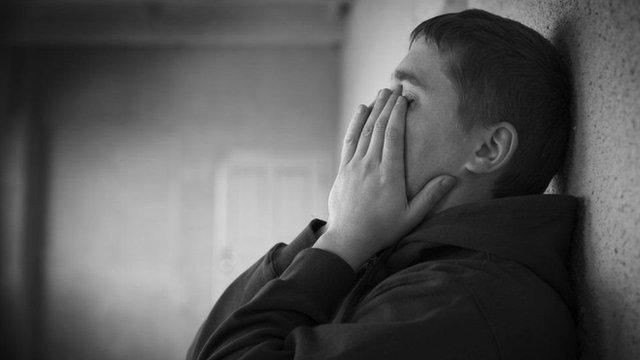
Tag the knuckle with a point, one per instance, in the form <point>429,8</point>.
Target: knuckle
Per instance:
<point>366,131</point>
<point>369,165</point>
<point>380,125</point>
<point>345,168</point>
<point>392,134</point>
<point>385,177</point>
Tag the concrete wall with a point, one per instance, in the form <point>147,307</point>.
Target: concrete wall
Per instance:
<point>135,136</point>
<point>602,39</point>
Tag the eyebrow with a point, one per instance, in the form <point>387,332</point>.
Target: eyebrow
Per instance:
<point>405,75</point>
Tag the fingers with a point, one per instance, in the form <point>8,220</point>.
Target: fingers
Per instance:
<point>429,197</point>
<point>393,148</point>
<point>378,136</point>
<point>367,129</point>
<point>353,133</point>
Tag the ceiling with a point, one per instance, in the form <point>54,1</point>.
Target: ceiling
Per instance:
<point>173,22</point>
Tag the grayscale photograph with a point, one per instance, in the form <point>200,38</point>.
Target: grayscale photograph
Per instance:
<point>320,179</point>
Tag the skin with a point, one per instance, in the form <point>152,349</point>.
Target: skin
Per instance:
<point>407,157</point>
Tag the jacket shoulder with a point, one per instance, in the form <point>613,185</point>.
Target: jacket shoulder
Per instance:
<point>437,314</point>
<point>423,287</point>
<point>517,310</point>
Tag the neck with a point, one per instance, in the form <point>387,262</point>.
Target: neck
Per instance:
<point>465,191</point>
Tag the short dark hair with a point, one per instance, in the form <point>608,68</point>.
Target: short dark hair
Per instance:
<point>506,71</point>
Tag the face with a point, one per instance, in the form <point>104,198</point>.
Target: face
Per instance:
<point>435,141</point>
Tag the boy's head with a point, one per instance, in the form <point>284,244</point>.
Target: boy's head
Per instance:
<point>491,105</point>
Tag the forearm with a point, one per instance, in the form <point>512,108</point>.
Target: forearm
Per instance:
<point>306,294</point>
<point>238,293</point>
<point>245,287</point>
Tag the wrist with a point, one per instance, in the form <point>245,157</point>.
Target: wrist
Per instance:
<point>334,243</point>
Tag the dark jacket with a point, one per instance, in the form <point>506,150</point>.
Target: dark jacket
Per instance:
<point>485,280</point>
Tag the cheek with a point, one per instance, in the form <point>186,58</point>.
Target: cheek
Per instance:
<point>421,145</point>
<point>432,144</point>
<point>422,154</point>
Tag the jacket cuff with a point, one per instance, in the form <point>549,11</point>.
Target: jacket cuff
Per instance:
<point>324,279</point>
<point>284,254</point>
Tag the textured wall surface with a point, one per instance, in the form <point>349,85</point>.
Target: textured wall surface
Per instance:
<point>602,41</point>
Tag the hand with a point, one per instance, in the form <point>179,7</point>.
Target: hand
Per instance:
<point>368,205</point>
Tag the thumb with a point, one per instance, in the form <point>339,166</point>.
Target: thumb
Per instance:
<point>429,196</point>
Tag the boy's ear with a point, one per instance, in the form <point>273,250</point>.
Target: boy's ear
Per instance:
<point>496,145</point>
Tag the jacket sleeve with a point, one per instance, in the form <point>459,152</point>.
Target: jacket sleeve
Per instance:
<point>289,318</point>
<point>245,286</point>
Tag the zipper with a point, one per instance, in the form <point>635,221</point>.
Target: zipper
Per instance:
<point>367,271</point>
<point>367,266</point>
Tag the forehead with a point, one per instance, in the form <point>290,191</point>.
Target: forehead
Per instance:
<point>425,62</point>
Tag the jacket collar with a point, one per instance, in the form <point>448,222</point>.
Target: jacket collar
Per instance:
<point>533,230</point>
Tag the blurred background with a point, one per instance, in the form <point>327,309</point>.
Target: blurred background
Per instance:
<point>151,150</point>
